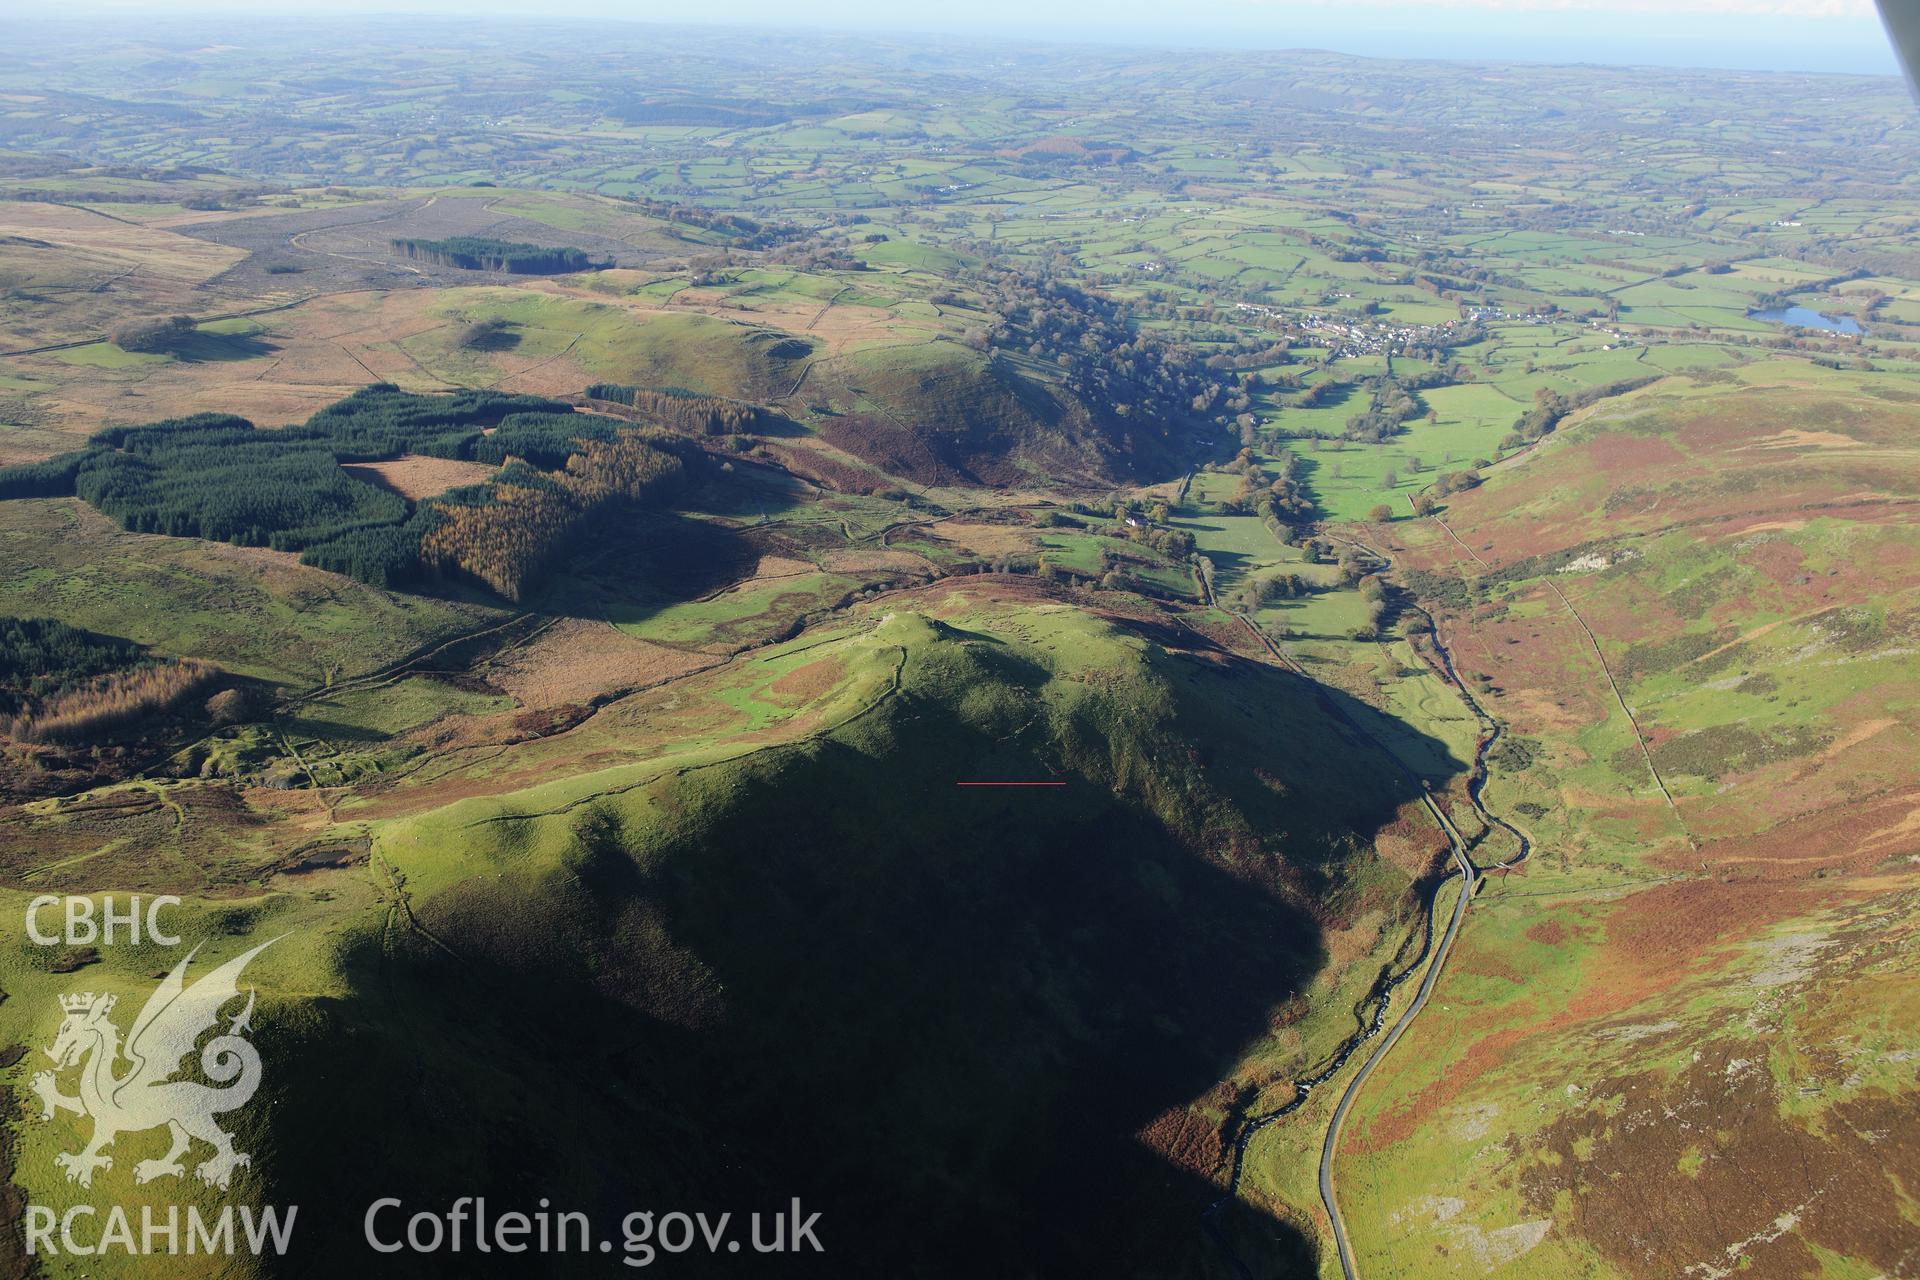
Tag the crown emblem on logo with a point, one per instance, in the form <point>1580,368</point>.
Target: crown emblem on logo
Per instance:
<point>145,1095</point>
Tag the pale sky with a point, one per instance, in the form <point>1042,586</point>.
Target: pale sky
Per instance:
<point>1810,35</point>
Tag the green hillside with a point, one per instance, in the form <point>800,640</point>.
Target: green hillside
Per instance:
<point>939,1015</point>
<point>941,412</point>
<point>713,357</point>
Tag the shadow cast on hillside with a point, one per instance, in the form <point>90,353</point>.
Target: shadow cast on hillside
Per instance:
<point>963,1025</point>
<point>647,562</point>
<point>213,348</point>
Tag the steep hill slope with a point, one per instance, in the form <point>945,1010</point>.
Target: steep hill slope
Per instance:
<point>941,412</point>
<point>804,962</point>
<point>1695,611</point>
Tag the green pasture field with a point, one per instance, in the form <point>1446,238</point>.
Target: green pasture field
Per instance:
<point>292,626</point>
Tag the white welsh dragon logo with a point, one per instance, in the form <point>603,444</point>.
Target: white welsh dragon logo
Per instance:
<point>145,1096</point>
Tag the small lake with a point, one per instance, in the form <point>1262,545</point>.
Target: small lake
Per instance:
<point>1807,318</point>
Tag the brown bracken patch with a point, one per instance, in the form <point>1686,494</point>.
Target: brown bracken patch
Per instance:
<point>1186,1139</point>
<point>414,476</point>
<point>1701,1175</point>
<point>805,683</point>
<point>1399,1123</point>
<point>1548,933</point>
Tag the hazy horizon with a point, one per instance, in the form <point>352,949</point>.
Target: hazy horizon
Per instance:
<point>1843,36</point>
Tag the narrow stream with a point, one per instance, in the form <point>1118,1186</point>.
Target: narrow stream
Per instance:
<point>1380,999</point>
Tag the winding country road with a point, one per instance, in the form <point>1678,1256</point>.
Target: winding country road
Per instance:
<point>1434,954</point>
<point>1469,881</point>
